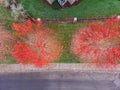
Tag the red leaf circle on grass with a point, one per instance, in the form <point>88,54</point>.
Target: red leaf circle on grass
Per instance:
<point>37,48</point>
<point>99,43</point>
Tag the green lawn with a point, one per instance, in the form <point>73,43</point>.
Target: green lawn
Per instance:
<point>86,9</point>
<point>6,20</point>
<point>65,32</point>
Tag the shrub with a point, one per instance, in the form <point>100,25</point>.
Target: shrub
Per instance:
<point>18,12</point>
<point>99,43</point>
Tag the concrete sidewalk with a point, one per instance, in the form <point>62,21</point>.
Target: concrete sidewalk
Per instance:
<point>56,67</point>
<point>96,73</point>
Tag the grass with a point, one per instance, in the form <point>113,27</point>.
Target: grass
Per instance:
<point>86,9</point>
<point>65,32</point>
<point>9,60</point>
<point>6,20</point>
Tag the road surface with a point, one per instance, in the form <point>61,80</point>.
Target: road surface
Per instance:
<point>54,81</point>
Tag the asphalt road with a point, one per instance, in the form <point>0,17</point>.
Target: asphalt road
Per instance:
<point>53,81</point>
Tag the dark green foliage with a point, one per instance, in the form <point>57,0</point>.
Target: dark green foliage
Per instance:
<point>56,5</point>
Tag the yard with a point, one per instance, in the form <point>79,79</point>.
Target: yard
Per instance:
<point>86,9</point>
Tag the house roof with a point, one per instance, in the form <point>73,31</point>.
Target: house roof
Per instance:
<point>50,1</point>
<point>64,3</point>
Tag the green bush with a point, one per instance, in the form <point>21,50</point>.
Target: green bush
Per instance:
<point>56,5</point>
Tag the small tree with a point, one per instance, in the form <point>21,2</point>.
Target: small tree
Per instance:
<point>38,46</point>
<point>99,43</point>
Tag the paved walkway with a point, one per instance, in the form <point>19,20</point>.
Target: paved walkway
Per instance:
<point>56,67</point>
